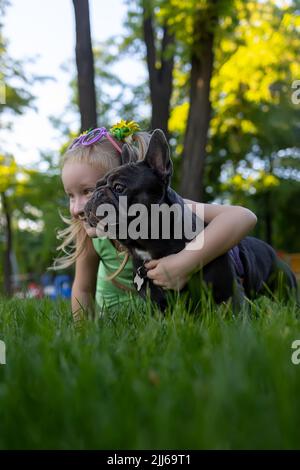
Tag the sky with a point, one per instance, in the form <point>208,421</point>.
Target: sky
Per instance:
<point>44,30</point>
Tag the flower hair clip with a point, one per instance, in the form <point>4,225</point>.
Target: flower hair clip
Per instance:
<point>124,130</point>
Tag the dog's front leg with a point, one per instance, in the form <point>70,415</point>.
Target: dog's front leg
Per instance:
<point>239,301</point>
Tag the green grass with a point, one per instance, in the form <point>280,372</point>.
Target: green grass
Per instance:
<point>134,380</point>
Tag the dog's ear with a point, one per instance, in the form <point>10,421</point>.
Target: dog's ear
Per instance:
<point>158,155</point>
<point>128,155</point>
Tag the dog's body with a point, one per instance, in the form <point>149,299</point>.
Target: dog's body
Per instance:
<point>250,269</point>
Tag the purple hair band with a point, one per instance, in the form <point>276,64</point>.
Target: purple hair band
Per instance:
<point>94,136</point>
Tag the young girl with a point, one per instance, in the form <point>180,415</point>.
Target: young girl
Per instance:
<point>102,267</point>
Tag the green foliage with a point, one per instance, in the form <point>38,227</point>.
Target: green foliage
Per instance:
<point>17,84</point>
<point>287,216</point>
<point>132,380</point>
<point>253,146</point>
<point>251,90</point>
<point>35,238</point>
<point>34,198</point>
<point>254,134</point>
<point>255,64</point>
<point>253,117</point>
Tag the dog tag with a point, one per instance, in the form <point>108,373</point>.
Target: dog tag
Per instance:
<point>138,281</point>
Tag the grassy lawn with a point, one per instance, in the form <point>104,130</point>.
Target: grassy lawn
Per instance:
<point>139,380</point>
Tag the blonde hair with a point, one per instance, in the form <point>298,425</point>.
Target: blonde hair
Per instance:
<point>103,157</point>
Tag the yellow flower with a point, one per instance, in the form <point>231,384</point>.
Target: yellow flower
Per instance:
<point>124,129</point>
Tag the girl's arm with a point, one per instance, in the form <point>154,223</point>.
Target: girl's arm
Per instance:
<point>227,226</point>
<point>84,285</point>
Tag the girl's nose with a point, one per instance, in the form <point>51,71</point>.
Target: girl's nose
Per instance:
<point>78,209</point>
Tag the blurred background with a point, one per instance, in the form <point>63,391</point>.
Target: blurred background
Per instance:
<point>220,77</point>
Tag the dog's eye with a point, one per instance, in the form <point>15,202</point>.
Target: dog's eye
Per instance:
<point>118,188</point>
<point>101,182</point>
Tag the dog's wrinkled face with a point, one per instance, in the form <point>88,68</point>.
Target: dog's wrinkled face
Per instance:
<point>142,182</point>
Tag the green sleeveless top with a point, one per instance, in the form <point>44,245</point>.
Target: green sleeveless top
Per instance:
<point>109,294</point>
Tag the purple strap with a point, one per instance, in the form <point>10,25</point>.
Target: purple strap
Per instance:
<point>92,137</point>
<point>235,255</point>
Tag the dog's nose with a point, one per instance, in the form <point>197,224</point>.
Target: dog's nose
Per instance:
<point>87,210</point>
<point>92,219</point>
<point>94,202</point>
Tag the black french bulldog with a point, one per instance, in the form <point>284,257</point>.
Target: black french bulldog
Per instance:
<point>248,270</point>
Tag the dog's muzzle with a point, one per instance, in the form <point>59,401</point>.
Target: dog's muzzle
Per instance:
<point>99,197</point>
<point>90,212</point>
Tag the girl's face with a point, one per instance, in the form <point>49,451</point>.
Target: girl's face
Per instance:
<point>79,180</point>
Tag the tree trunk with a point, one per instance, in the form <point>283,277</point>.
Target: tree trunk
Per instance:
<point>199,114</point>
<point>8,246</point>
<point>85,66</point>
<point>160,78</point>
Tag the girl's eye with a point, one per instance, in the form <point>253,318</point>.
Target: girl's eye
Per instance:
<point>119,188</point>
<point>88,191</point>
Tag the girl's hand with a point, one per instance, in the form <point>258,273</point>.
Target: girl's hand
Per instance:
<point>169,272</point>
<point>227,225</point>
